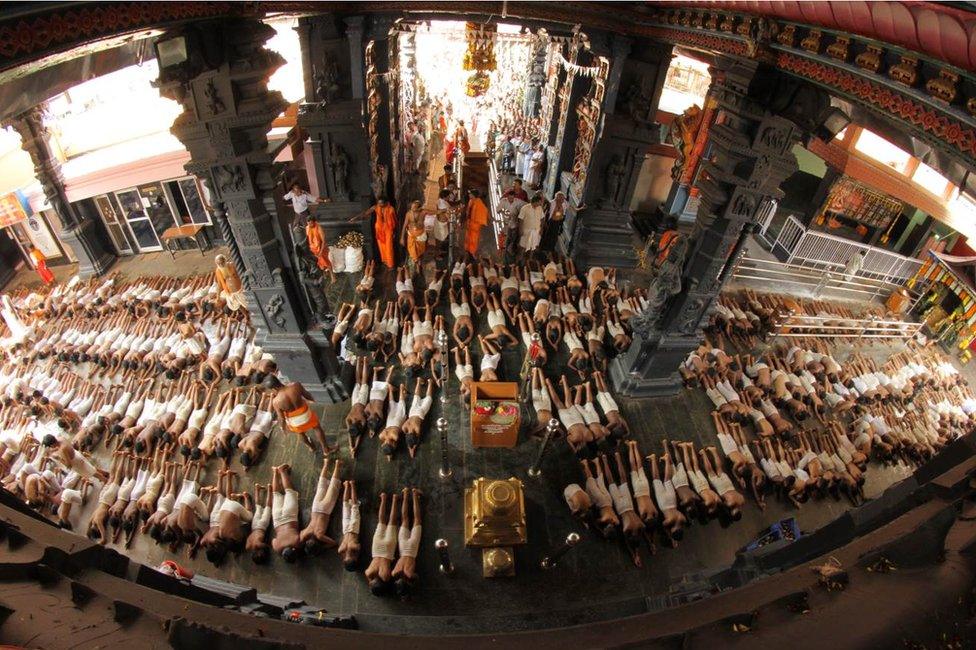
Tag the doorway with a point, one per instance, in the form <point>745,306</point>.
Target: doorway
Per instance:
<point>110,212</point>
<point>138,216</point>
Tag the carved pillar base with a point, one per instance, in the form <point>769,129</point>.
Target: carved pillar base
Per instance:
<point>309,359</point>
<point>650,367</point>
<point>601,235</point>
<point>93,258</point>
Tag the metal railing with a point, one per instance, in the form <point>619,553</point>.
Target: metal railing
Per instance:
<point>810,282</point>
<point>835,326</point>
<point>459,171</point>
<point>764,218</point>
<point>494,198</point>
<point>819,250</point>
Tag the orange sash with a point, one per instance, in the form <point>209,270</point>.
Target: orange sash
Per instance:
<point>301,419</point>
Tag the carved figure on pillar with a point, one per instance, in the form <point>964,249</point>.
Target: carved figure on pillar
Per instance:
<point>614,179</point>
<point>379,176</point>
<point>313,281</point>
<point>214,103</point>
<point>636,103</point>
<point>667,282</point>
<point>684,128</point>
<point>339,162</point>
<point>327,82</point>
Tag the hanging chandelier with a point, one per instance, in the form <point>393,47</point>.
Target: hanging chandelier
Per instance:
<point>479,57</point>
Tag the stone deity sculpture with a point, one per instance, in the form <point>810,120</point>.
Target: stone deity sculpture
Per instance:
<point>340,170</point>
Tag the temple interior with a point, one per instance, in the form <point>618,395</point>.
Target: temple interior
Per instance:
<point>614,324</point>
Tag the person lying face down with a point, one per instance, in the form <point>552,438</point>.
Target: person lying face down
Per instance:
<point>284,514</point>
<point>463,330</point>
<point>256,543</point>
<point>349,547</point>
<point>98,523</point>
<point>379,573</point>
<point>314,537</point>
<point>607,520</point>
<point>408,539</point>
<point>500,333</point>
<point>379,390</point>
<point>356,419</point>
<point>580,438</point>
<point>631,524</point>
<point>253,443</point>
<point>672,520</point>
<point>413,427</point>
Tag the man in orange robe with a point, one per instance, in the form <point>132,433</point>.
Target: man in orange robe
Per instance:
<point>40,265</point>
<point>385,230</point>
<point>477,219</point>
<point>317,244</point>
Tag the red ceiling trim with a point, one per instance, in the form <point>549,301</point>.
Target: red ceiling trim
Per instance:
<point>87,23</point>
<point>937,30</point>
<point>699,39</point>
<point>950,131</point>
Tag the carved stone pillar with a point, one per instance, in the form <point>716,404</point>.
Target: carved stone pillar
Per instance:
<point>336,149</point>
<point>751,155</point>
<point>78,232</point>
<point>354,35</point>
<point>601,235</point>
<point>228,111</point>
<point>536,79</point>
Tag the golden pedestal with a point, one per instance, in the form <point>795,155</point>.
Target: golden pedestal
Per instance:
<point>494,519</point>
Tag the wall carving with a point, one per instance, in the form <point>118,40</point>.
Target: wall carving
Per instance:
<point>231,180</point>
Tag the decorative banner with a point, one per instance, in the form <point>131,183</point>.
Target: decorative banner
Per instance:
<point>13,209</point>
<point>578,70</point>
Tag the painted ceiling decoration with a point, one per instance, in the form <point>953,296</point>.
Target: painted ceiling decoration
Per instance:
<point>940,31</point>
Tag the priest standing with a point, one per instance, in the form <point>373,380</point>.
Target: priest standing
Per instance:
<point>477,219</point>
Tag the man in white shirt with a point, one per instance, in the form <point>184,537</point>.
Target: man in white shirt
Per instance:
<point>300,200</point>
<point>530,230</point>
<point>854,265</point>
<point>419,145</point>
<point>508,209</point>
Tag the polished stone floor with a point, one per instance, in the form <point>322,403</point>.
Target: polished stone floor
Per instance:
<point>596,581</point>
<point>181,264</point>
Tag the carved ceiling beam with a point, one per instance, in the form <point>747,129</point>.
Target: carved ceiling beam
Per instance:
<point>933,100</point>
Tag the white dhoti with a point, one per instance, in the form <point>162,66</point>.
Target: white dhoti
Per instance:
<point>234,300</point>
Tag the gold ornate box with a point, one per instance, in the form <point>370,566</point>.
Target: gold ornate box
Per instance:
<point>494,520</point>
<point>494,513</point>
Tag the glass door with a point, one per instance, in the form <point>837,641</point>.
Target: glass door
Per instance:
<point>187,201</point>
<point>157,207</point>
<point>110,216</point>
<point>135,207</point>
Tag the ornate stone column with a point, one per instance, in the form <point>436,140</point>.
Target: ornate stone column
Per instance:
<point>336,145</point>
<point>78,232</point>
<point>222,85</point>
<point>537,77</point>
<point>751,155</point>
<point>601,235</point>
